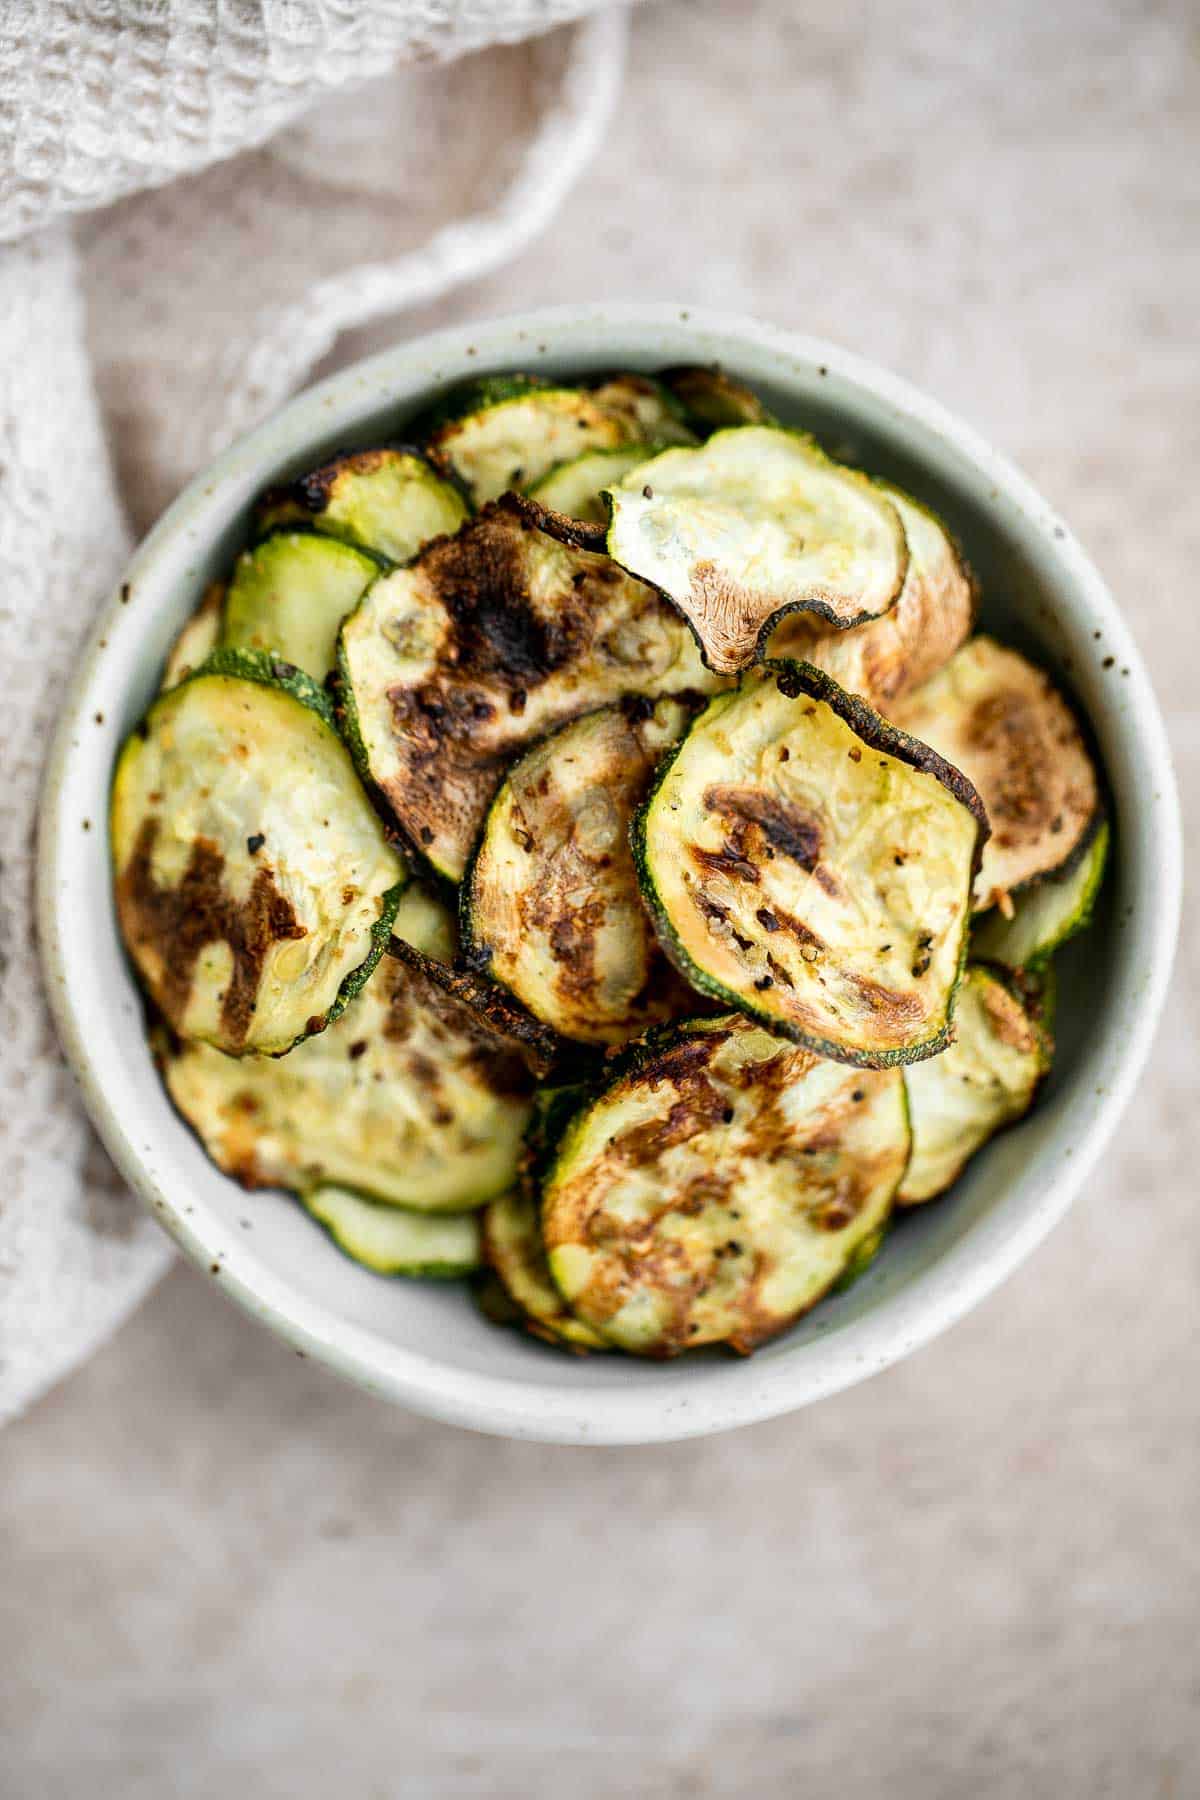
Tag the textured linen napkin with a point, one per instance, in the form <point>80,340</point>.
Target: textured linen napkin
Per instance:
<point>252,177</point>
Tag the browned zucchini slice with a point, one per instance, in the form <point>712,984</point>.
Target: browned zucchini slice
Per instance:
<point>497,1014</point>
<point>888,657</point>
<point>197,640</point>
<point>755,524</point>
<point>551,905</point>
<point>1000,719</point>
<point>255,887</point>
<point>407,1098</point>
<point>647,408</point>
<point>513,1248</point>
<point>717,1189</point>
<point>451,666</point>
<point>389,501</point>
<point>811,865</point>
<point>712,399</point>
<point>1047,915</point>
<point>986,1079</point>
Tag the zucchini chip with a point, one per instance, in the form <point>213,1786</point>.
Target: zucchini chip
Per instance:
<point>499,1018</point>
<point>255,888</point>
<point>888,657</point>
<point>452,666</point>
<point>289,595</point>
<point>713,400</point>
<point>647,408</point>
<point>574,489</point>
<point>987,1078</point>
<point>198,639</point>
<point>388,501</point>
<point>1045,917</point>
<point>1000,719</point>
<point>513,1249</point>
<point>809,864</point>
<point>755,524</point>
<point>551,906</point>
<point>501,435</point>
<point>406,1099</point>
<point>392,1242</point>
<point>719,1187</point>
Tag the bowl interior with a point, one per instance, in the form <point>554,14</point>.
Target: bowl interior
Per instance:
<point>426,1344</point>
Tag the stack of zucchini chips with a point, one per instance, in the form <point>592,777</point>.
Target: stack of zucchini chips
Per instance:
<point>588,849</point>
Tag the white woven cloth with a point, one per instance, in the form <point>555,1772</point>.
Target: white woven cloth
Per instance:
<point>370,170</point>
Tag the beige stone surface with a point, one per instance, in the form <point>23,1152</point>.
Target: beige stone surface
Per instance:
<point>978,1575</point>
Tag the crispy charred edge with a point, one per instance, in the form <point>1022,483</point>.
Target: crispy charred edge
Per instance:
<point>877,734</point>
<point>425,1271</point>
<point>811,603</point>
<point>694,387</point>
<point>476,394</point>
<point>272,672</point>
<point>543,1051</point>
<point>574,533</point>
<point>311,493</point>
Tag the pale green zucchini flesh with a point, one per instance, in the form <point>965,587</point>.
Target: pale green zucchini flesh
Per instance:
<point>197,640</point>
<point>576,488</point>
<point>811,865</point>
<point>512,440</point>
<point>888,657</point>
<point>986,1079</point>
<point>551,906</point>
<point>719,1187</point>
<point>387,501</point>
<point>407,1098</point>
<point>513,1249</point>
<point>255,887</point>
<point>452,666</point>
<point>392,1242</point>
<point>753,525</point>
<point>713,400</point>
<point>290,593</point>
<point>1000,719</point>
<point>1047,915</point>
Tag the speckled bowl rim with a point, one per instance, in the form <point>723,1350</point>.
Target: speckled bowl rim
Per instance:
<point>738,1393</point>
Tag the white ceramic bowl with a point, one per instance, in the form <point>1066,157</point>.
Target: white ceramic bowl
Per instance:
<point>425,1345</point>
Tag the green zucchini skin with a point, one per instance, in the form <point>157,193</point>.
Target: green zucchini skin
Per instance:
<point>550,904</point>
<point>210,926</point>
<point>289,595</point>
<point>451,667</point>
<point>997,716</point>
<point>890,657</point>
<point>757,996</point>
<point>385,502</point>
<point>574,490</point>
<point>755,525</point>
<point>390,1241</point>
<point>987,1079</point>
<point>407,1099</point>
<point>1048,914</point>
<point>718,1187</point>
<point>713,400</point>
